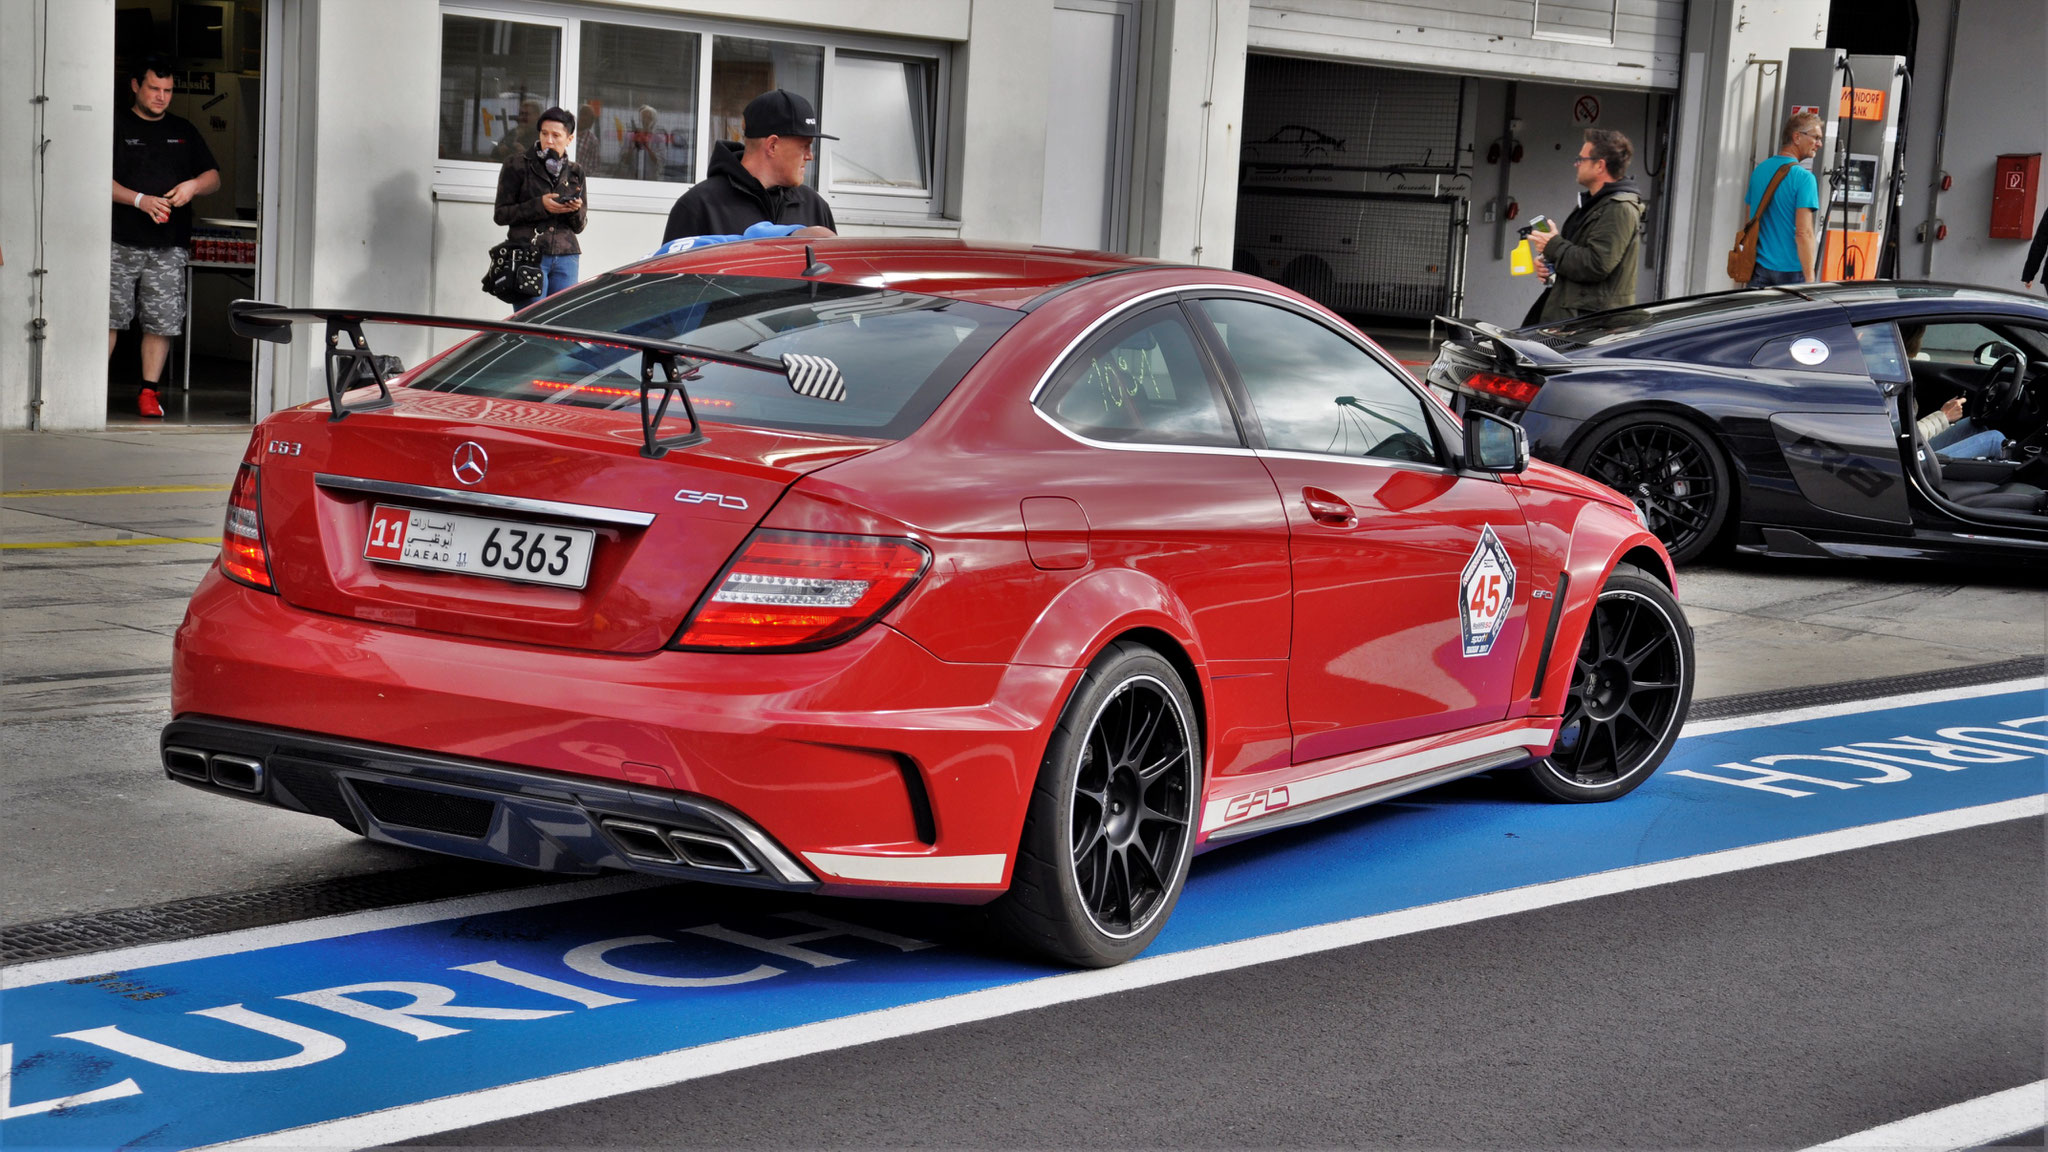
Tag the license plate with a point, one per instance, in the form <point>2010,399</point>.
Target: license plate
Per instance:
<point>505,549</point>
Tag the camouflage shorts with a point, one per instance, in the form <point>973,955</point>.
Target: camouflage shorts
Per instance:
<point>157,277</point>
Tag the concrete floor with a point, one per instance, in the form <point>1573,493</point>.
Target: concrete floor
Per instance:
<point>103,536</point>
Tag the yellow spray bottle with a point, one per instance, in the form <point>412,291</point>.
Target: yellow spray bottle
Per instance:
<point>1522,260</point>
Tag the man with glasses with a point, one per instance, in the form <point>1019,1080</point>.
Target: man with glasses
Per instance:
<point>1785,235</point>
<point>760,181</point>
<point>1591,263</point>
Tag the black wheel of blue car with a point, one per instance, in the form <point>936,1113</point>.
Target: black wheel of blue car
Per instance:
<point>1110,829</point>
<point>1672,470</point>
<point>1631,685</point>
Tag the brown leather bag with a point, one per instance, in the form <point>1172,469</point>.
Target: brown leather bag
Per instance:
<point>1742,257</point>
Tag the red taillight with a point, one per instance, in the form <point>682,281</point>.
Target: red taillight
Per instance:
<point>1506,387</point>
<point>789,591</point>
<point>242,555</point>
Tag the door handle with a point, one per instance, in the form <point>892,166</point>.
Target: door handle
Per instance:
<point>1326,507</point>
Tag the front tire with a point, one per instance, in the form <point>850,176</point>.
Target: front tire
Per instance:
<point>1670,468</point>
<point>1111,829</point>
<point>1631,687</point>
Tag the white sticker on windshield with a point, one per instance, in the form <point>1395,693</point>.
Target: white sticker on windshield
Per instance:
<point>1807,350</point>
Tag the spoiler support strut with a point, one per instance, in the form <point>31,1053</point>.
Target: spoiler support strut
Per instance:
<point>349,356</point>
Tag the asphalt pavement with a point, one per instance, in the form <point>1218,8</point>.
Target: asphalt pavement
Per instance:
<point>1729,1012</point>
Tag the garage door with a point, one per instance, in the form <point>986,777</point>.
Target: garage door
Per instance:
<point>1594,43</point>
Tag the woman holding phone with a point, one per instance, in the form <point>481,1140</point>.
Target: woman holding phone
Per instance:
<point>540,200</point>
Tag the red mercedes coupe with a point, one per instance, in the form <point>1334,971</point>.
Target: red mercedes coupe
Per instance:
<point>910,569</point>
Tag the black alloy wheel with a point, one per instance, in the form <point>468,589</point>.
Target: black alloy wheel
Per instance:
<point>1668,466</point>
<point>1110,829</point>
<point>1631,686</point>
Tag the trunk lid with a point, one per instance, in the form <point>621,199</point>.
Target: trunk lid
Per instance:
<point>660,530</point>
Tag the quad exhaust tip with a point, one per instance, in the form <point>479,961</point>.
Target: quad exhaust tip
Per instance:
<point>651,844</point>
<point>235,773</point>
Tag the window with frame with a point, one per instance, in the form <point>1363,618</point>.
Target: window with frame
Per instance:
<point>497,77</point>
<point>636,117</point>
<point>1144,382</point>
<point>654,92</point>
<point>1315,391</point>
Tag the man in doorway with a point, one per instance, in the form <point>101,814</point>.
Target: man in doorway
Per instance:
<point>1785,235</point>
<point>762,180</point>
<point>1591,263</point>
<point>160,166</point>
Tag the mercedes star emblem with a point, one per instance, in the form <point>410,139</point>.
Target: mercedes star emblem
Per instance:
<point>471,462</point>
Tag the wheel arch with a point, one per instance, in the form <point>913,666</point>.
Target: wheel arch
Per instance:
<point>1717,439</point>
<point>1603,538</point>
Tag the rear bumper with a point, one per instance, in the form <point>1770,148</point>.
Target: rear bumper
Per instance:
<point>872,766</point>
<point>482,811</point>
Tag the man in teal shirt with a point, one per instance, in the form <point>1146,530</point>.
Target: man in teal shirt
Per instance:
<point>1785,235</point>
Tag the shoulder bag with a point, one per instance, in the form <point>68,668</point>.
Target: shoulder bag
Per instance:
<point>514,275</point>
<point>1742,257</point>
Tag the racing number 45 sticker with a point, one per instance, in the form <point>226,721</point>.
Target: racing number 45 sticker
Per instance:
<point>1486,592</point>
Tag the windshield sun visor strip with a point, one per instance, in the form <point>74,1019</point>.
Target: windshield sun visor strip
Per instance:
<point>588,513</point>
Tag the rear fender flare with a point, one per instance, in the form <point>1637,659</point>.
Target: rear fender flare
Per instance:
<point>1097,608</point>
<point>1108,603</point>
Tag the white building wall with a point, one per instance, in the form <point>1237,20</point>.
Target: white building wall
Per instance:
<point>1190,130</point>
<point>1482,37</point>
<point>1996,102</point>
<point>1720,122</point>
<point>78,78</point>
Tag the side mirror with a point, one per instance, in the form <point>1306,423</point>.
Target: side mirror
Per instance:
<point>1988,352</point>
<point>1494,445</point>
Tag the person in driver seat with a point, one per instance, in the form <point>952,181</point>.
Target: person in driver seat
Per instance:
<point>1946,430</point>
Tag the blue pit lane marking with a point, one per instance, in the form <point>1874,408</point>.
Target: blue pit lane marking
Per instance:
<point>225,1047</point>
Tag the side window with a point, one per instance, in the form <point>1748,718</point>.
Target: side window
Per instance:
<point>1883,354</point>
<point>1951,344</point>
<point>1143,382</point>
<point>1315,391</point>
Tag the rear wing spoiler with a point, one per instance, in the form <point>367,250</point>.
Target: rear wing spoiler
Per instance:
<point>350,357</point>
<point>1509,353</point>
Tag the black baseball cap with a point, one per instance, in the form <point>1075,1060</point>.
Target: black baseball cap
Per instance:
<point>782,113</point>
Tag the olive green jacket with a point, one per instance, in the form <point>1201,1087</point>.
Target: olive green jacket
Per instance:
<point>1596,255</point>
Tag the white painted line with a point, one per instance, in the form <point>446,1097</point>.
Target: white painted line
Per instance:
<point>415,1120</point>
<point>322,928</point>
<point>1847,708</point>
<point>1971,1124</point>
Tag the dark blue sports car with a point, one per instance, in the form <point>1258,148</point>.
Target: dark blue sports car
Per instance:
<point>1858,419</point>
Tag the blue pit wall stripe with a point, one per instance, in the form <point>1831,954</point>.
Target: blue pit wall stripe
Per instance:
<point>249,1034</point>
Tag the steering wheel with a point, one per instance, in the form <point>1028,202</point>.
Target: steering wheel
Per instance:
<point>2001,387</point>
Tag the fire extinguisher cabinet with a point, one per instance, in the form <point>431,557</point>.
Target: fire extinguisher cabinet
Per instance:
<point>2013,196</point>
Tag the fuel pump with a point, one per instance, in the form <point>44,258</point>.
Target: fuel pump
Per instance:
<point>1858,100</point>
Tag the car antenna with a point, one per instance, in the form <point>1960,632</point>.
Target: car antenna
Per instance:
<point>811,265</point>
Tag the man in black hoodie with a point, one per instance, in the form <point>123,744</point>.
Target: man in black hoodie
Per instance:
<point>764,181</point>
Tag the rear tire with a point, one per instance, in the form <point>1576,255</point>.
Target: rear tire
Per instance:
<point>1672,470</point>
<point>1631,687</point>
<point>1111,827</point>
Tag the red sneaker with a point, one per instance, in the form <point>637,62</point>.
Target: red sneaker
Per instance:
<point>148,405</point>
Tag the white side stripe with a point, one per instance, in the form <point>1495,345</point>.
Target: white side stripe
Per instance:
<point>1366,775</point>
<point>912,869</point>
<point>415,1120</point>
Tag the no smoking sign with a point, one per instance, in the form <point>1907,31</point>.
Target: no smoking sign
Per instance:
<point>1486,591</point>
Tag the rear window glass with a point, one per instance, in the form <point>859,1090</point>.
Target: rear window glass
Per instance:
<point>899,352</point>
